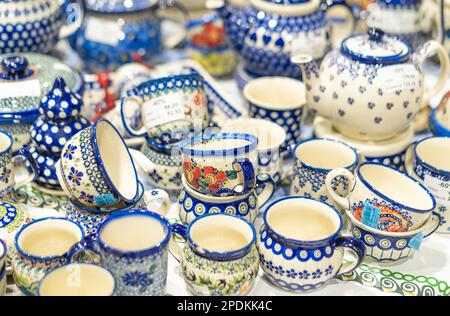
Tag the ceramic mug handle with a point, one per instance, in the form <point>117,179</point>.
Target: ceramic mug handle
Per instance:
<point>350,21</point>
<point>123,102</point>
<point>340,172</point>
<point>139,158</point>
<point>248,175</point>
<point>161,198</point>
<point>265,187</point>
<point>434,224</point>
<point>355,245</point>
<point>32,171</point>
<point>175,39</point>
<point>174,248</point>
<point>79,252</point>
<point>428,50</point>
<point>409,158</point>
<point>78,13</point>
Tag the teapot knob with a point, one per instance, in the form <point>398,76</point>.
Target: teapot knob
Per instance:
<point>375,34</point>
<point>15,67</point>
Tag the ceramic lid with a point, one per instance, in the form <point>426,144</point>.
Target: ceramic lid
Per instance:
<point>25,78</point>
<point>375,47</point>
<point>402,3</point>
<point>11,216</point>
<point>119,6</point>
<point>286,2</point>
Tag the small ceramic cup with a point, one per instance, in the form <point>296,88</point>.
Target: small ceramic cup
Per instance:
<point>427,161</point>
<point>280,100</point>
<point>390,248</point>
<point>133,246</point>
<point>40,246</point>
<point>9,179</point>
<point>90,220</point>
<point>170,107</point>
<point>314,159</point>
<point>192,204</point>
<point>219,257</point>
<point>96,168</point>
<point>300,246</point>
<point>271,137</point>
<point>12,218</point>
<point>220,164</point>
<point>163,168</point>
<point>404,204</point>
<point>78,279</point>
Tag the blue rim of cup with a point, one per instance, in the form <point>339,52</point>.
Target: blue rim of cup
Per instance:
<point>253,143</point>
<point>139,89</point>
<point>436,127</point>
<point>388,199</point>
<point>296,242</point>
<point>109,211</point>
<point>102,166</point>
<point>5,250</point>
<point>220,255</point>
<point>294,149</point>
<point>135,253</point>
<point>425,164</point>
<point>11,142</point>
<point>35,257</point>
<point>38,288</point>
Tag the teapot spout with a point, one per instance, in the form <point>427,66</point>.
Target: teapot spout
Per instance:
<point>308,67</point>
<point>235,20</point>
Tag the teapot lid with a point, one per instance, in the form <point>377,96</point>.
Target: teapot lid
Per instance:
<point>119,6</point>
<point>286,2</point>
<point>25,78</point>
<point>375,47</point>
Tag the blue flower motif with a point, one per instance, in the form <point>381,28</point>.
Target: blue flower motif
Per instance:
<point>155,176</point>
<point>329,270</point>
<point>317,274</point>
<point>136,278</point>
<point>176,179</point>
<point>75,176</point>
<point>304,275</point>
<point>86,197</point>
<point>68,153</point>
<point>279,270</point>
<point>6,173</point>
<point>154,192</point>
<point>291,273</point>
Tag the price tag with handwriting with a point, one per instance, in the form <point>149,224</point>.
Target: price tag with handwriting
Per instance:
<point>398,77</point>
<point>164,109</point>
<point>439,188</point>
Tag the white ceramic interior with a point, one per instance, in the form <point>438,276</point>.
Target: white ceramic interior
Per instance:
<point>325,154</point>
<point>132,233</point>
<point>116,160</point>
<point>435,152</point>
<point>299,210</point>
<point>270,135</point>
<point>276,93</point>
<point>5,142</point>
<point>78,280</point>
<point>49,224</point>
<point>218,144</point>
<point>396,186</point>
<point>214,226</point>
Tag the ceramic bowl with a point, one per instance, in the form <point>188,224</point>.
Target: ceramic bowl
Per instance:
<point>386,247</point>
<point>436,125</point>
<point>93,166</point>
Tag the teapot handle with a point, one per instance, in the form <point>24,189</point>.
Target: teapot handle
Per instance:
<point>174,40</point>
<point>428,50</point>
<point>350,21</point>
<point>72,12</point>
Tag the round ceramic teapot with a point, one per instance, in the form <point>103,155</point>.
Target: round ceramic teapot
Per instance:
<point>119,32</point>
<point>268,32</point>
<point>372,86</point>
<point>37,25</point>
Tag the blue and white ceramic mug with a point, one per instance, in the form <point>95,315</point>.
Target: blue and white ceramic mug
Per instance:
<point>402,204</point>
<point>171,108</point>
<point>427,161</point>
<point>220,164</point>
<point>40,246</point>
<point>192,204</point>
<point>133,246</point>
<point>300,244</point>
<point>280,100</point>
<point>96,168</point>
<point>219,257</point>
<point>78,279</point>
<point>9,180</point>
<point>314,159</point>
<point>271,138</point>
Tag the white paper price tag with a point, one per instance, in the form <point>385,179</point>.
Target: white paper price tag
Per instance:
<point>440,189</point>
<point>103,31</point>
<point>313,45</point>
<point>19,89</point>
<point>164,109</point>
<point>397,77</point>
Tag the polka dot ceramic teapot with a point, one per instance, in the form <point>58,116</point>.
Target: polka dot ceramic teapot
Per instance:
<point>372,86</point>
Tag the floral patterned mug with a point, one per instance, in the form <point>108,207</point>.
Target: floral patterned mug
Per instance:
<point>220,164</point>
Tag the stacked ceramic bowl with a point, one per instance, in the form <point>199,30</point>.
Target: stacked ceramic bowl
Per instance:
<point>97,173</point>
<point>220,176</point>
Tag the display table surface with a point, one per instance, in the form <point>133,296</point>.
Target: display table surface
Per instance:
<point>427,273</point>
